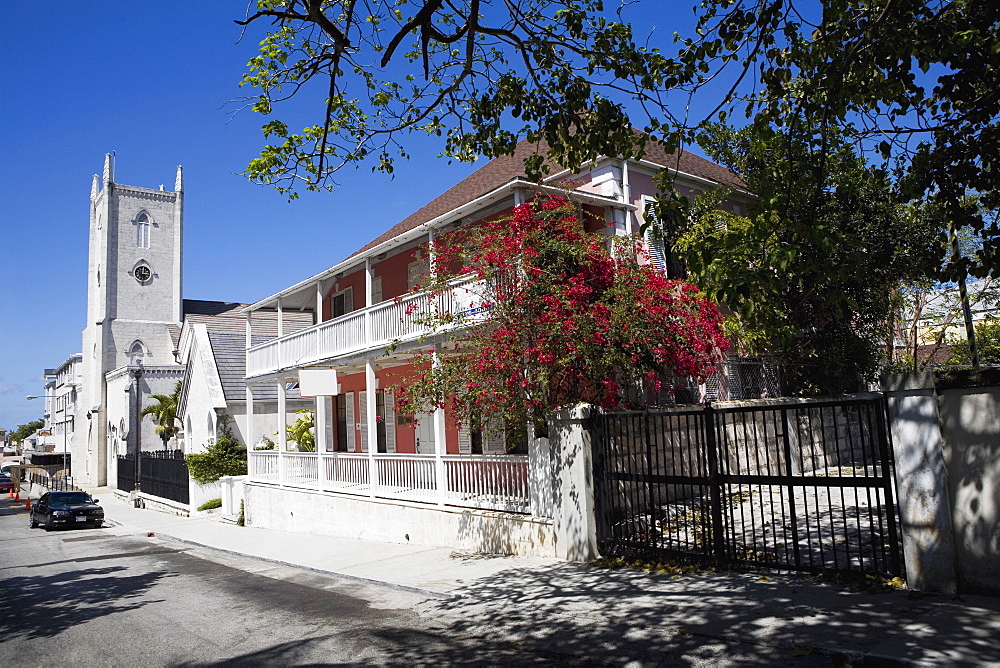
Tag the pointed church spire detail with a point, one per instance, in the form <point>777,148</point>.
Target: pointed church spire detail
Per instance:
<point>93,188</point>
<point>179,181</point>
<point>108,176</point>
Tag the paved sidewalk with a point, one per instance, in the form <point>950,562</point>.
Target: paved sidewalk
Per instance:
<point>571,611</point>
<point>432,571</point>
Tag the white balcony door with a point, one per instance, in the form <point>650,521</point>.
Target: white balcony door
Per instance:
<point>425,433</point>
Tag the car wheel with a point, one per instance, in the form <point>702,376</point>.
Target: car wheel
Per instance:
<point>32,522</point>
<point>48,523</point>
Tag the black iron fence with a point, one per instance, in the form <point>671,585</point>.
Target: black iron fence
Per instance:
<point>805,486</point>
<point>53,484</point>
<point>162,473</point>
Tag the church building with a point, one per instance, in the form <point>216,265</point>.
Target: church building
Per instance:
<point>142,337</point>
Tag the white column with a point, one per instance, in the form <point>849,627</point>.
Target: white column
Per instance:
<point>319,427</point>
<point>248,429</point>
<point>371,387</point>
<point>440,442</point>
<point>369,277</point>
<point>319,304</point>
<point>282,431</point>
<point>281,322</point>
<point>248,432</point>
<point>316,320</point>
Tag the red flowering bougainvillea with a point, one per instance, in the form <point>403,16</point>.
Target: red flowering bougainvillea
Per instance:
<point>553,317</point>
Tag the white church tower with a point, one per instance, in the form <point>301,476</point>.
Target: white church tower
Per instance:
<point>134,311</point>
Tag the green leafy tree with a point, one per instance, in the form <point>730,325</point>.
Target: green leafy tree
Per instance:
<point>987,344</point>
<point>810,271</point>
<point>25,430</point>
<point>164,413</point>
<point>917,81</point>
<point>226,456</point>
<point>302,430</point>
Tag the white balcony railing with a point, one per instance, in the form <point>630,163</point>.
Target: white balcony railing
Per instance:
<point>365,329</point>
<point>488,482</point>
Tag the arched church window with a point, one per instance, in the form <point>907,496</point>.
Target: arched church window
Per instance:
<point>136,353</point>
<point>142,225</point>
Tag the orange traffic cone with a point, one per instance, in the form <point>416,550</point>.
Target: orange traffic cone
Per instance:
<point>10,494</point>
<point>17,496</point>
<point>27,506</point>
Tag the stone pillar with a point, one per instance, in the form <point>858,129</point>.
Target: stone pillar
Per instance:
<point>921,482</point>
<point>574,521</point>
<point>541,485</point>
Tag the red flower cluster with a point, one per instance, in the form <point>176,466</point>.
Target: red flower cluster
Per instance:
<point>569,320</point>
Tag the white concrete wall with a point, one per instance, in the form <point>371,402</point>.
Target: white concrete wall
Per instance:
<point>329,514</point>
<point>970,424</point>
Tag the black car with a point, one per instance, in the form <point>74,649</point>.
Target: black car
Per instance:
<point>61,509</point>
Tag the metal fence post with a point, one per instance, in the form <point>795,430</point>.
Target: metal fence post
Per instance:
<point>786,444</point>
<point>715,482</point>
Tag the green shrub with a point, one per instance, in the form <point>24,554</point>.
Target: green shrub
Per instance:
<point>241,520</point>
<point>226,456</point>
<point>210,504</point>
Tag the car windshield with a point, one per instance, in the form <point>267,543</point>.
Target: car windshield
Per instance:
<point>4,478</point>
<point>71,497</point>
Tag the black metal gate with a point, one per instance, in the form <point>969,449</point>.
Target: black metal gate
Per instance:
<point>805,486</point>
<point>162,473</point>
<point>126,472</point>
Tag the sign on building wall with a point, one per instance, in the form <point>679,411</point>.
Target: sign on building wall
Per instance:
<point>318,382</point>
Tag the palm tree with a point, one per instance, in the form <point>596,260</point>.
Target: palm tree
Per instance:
<point>164,413</point>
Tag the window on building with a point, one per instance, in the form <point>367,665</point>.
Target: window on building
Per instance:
<point>380,425</point>
<point>340,401</point>
<point>136,353</point>
<point>342,303</point>
<point>142,231</point>
<point>416,271</point>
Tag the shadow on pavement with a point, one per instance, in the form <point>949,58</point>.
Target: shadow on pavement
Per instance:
<point>44,606</point>
<point>620,616</point>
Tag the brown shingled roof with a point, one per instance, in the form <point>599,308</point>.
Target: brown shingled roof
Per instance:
<point>506,168</point>
<point>228,317</point>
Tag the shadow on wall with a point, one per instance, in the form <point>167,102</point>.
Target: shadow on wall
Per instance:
<point>970,426</point>
<point>496,534</point>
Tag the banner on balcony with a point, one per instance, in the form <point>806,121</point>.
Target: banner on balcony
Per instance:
<point>318,382</point>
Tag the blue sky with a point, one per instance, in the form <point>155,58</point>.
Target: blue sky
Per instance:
<point>154,81</point>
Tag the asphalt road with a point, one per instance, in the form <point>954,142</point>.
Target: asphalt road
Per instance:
<point>102,597</point>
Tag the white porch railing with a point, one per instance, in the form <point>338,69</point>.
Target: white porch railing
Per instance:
<point>301,468</point>
<point>488,482</point>
<point>389,321</point>
<point>263,465</point>
<point>496,482</point>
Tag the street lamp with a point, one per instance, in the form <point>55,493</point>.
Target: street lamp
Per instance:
<point>63,423</point>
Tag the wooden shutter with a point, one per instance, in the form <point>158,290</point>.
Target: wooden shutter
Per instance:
<point>464,440</point>
<point>389,419</point>
<point>331,421</point>
<point>363,420</point>
<point>654,246</point>
<point>377,290</point>
<point>348,300</point>
<point>349,398</point>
